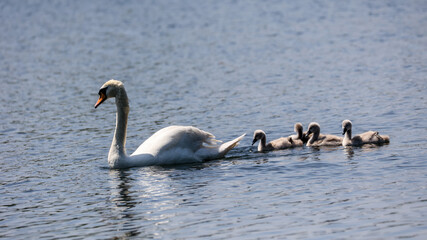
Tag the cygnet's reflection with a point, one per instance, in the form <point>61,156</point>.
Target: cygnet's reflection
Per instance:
<point>349,152</point>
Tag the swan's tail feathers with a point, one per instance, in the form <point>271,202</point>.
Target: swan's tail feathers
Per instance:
<point>211,142</point>
<point>226,147</point>
<point>214,151</point>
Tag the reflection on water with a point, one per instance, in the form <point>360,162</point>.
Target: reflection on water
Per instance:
<point>349,151</point>
<point>121,183</point>
<point>156,192</point>
<point>227,67</point>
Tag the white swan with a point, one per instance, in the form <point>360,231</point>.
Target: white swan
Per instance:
<point>318,139</point>
<point>281,143</point>
<point>170,145</point>
<point>370,137</point>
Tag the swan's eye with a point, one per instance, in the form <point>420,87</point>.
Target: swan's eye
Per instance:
<point>102,91</point>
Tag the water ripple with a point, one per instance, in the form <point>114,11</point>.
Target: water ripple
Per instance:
<point>229,68</point>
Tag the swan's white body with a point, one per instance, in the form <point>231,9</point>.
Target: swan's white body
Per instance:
<point>170,145</point>
<point>370,137</point>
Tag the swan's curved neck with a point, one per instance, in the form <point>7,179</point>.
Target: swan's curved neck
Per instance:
<point>299,133</point>
<point>315,136</point>
<point>117,152</point>
<point>262,143</point>
<point>347,134</point>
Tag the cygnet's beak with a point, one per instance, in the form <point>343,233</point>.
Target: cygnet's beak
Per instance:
<point>344,130</point>
<point>254,141</point>
<point>101,99</point>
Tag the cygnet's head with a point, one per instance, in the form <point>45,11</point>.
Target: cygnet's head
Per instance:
<point>346,126</point>
<point>110,89</point>
<point>258,135</point>
<point>313,127</point>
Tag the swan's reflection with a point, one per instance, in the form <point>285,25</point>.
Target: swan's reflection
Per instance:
<point>173,184</point>
<point>152,196</point>
<point>121,184</point>
<point>121,196</point>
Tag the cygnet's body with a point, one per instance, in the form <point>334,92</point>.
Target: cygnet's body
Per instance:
<point>280,143</point>
<point>300,138</point>
<point>318,139</point>
<point>370,137</point>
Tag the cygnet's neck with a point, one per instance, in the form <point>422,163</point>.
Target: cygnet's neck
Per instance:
<point>299,133</point>
<point>347,135</point>
<point>314,136</point>
<point>118,146</point>
<point>262,143</point>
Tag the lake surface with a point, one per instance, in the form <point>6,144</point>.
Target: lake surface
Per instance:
<point>227,67</point>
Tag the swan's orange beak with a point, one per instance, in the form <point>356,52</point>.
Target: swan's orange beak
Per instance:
<point>101,99</point>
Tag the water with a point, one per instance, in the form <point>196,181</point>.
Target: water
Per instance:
<point>227,67</point>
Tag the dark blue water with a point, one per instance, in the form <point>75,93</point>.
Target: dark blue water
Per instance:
<point>227,67</point>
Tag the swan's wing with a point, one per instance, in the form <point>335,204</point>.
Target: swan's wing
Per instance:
<point>214,152</point>
<point>182,138</point>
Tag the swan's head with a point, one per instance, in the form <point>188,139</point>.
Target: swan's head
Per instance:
<point>258,135</point>
<point>313,127</point>
<point>346,126</point>
<point>110,89</point>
